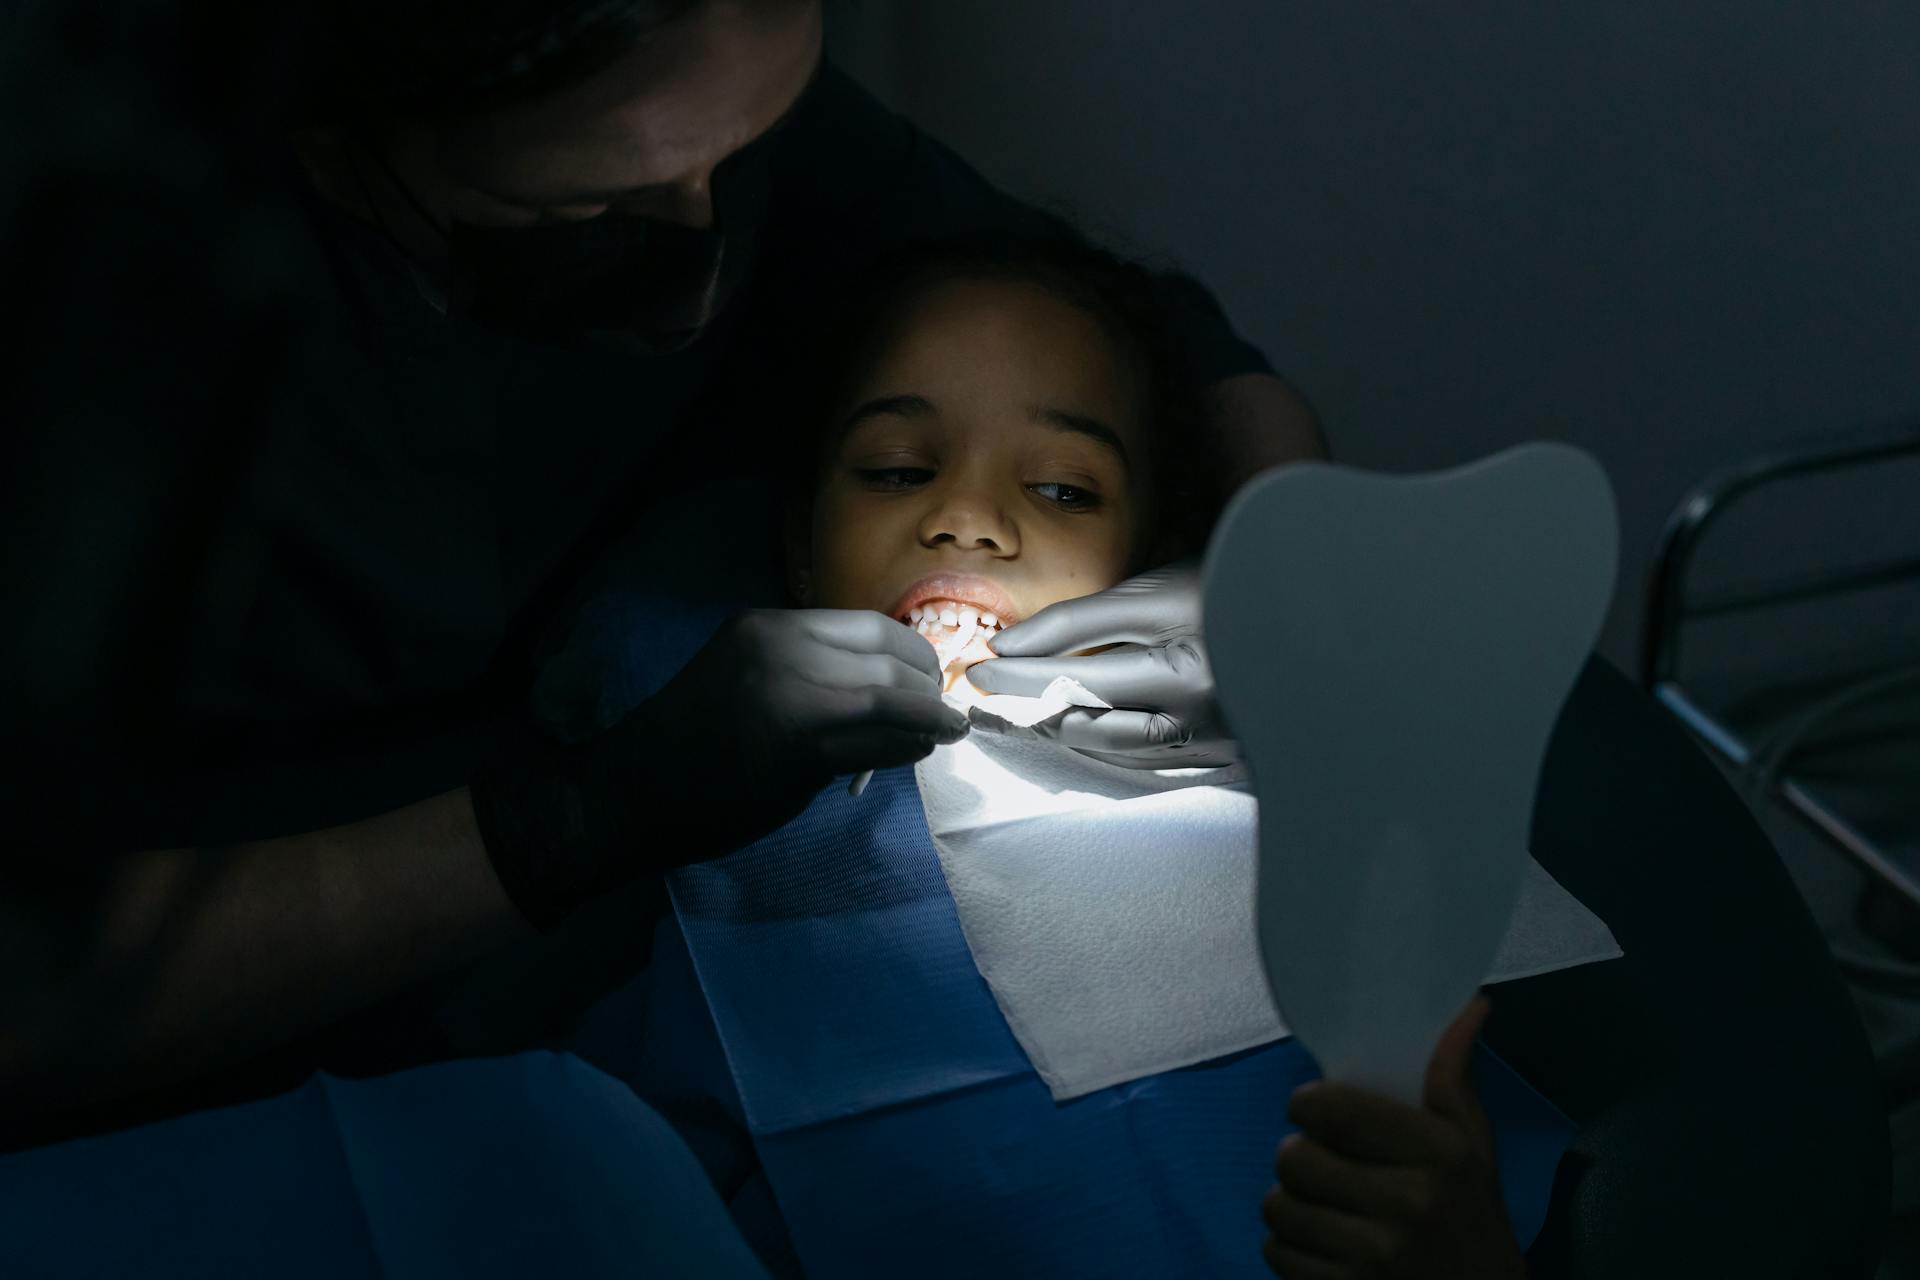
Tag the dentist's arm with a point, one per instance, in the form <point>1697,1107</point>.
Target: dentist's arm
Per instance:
<point>153,967</point>
<point>159,966</point>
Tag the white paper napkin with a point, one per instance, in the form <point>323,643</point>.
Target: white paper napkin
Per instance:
<point>1111,910</point>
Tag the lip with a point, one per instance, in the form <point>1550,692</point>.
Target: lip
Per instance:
<point>963,588</point>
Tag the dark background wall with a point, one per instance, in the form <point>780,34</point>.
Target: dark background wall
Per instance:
<point>1670,233</point>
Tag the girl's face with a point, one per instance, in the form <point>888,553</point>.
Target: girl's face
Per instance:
<point>993,454</point>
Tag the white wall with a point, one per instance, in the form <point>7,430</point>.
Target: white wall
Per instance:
<point>1670,233</point>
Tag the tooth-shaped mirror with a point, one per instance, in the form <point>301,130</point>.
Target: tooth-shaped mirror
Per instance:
<point>1391,653</point>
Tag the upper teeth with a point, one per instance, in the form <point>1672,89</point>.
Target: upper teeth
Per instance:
<point>951,613</point>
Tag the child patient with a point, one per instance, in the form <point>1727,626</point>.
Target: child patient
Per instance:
<point>1005,427</point>
<point>1002,427</point>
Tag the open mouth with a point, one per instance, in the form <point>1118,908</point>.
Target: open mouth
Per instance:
<point>958,633</point>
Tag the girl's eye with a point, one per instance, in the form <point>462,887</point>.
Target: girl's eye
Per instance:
<point>1067,496</point>
<point>894,478</point>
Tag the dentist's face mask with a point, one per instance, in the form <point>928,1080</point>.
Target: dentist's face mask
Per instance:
<point>616,280</point>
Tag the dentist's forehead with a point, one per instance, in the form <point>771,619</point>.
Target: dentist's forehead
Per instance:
<point>666,111</point>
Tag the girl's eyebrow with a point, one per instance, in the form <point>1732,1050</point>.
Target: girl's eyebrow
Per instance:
<point>906,406</point>
<point>1081,424</point>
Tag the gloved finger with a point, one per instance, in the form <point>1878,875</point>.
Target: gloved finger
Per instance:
<point>864,631</point>
<point>898,710</point>
<point>1174,676</point>
<point>1117,732</point>
<point>823,664</point>
<point>1114,616</point>
<point>853,748</point>
<point>1191,756</point>
<point>1027,677</point>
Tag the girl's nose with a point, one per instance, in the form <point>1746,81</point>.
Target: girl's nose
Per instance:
<point>969,520</point>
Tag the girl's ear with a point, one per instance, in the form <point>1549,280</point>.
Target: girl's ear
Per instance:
<point>799,551</point>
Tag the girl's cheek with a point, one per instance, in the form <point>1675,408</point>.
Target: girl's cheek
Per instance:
<point>1110,558</point>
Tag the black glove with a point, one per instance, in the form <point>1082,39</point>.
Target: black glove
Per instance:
<point>777,704</point>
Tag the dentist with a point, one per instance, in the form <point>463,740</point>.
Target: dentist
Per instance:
<point>530,231</point>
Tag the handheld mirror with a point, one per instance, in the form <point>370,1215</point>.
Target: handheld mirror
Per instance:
<point>1391,653</point>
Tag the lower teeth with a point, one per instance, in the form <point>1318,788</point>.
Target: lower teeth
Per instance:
<point>949,642</point>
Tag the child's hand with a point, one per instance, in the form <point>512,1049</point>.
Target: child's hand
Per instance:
<point>1371,1187</point>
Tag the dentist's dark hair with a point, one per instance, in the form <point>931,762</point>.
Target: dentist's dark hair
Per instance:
<point>448,57</point>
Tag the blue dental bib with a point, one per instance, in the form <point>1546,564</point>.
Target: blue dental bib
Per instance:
<point>902,1129</point>
<point>899,1124</point>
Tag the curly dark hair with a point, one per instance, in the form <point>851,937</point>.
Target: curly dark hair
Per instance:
<point>824,350</point>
